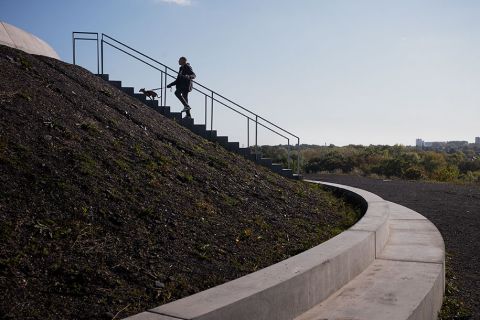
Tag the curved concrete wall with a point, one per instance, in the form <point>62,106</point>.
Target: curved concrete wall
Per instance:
<point>388,265</point>
<point>17,38</point>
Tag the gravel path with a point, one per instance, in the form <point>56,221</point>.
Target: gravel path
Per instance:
<point>454,209</point>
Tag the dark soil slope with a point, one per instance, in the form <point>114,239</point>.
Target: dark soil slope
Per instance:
<point>107,208</point>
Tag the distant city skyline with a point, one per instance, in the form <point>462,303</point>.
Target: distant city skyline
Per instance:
<point>335,72</point>
<point>447,145</point>
<point>475,140</point>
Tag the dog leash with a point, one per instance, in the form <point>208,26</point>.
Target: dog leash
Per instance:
<point>159,89</point>
<point>156,89</point>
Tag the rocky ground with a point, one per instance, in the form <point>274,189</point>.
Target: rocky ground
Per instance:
<point>107,208</point>
<point>455,210</point>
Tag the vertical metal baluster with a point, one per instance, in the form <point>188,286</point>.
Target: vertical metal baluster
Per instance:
<point>161,90</point>
<point>206,112</point>
<point>256,137</point>
<point>98,55</point>
<point>298,156</point>
<point>73,42</point>
<point>288,154</point>
<point>248,132</point>
<point>165,89</point>
<point>211,116</point>
<point>101,54</point>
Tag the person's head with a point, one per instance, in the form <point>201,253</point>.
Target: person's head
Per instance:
<point>182,61</point>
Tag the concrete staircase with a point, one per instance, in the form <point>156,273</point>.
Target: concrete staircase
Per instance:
<point>201,130</point>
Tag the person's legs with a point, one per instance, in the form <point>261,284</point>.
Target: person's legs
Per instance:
<point>185,97</point>
<point>180,94</point>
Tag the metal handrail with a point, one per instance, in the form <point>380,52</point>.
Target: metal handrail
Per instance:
<point>212,95</point>
<point>96,39</point>
<point>195,82</point>
<point>200,91</point>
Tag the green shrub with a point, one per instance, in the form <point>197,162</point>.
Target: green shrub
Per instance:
<point>414,173</point>
<point>446,174</point>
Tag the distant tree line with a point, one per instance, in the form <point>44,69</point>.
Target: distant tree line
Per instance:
<point>455,165</point>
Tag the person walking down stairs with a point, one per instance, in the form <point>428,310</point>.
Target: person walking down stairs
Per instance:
<point>183,84</point>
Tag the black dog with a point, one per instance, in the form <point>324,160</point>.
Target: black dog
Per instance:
<point>149,93</point>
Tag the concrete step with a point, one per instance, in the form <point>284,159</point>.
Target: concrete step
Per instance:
<point>233,146</point>
<point>103,76</point>
<point>297,176</point>
<point>151,103</point>
<point>165,110</point>
<point>162,110</point>
<point>266,162</point>
<point>254,156</point>
<point>128,90</point>
<point>140,96</point>
<point>175,115</point>
<point>115,83</point>
<point>199,129</point>
<point>244,151</point>
<point>222,140</point>
<point>211,134</point>
<point>287,173</point>
<point>187,122</point>
<point>276,167</point>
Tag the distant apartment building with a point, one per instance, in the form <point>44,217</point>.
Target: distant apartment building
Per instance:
<point>477,140</point>
<point>419,143</point>
<point>441,145</point>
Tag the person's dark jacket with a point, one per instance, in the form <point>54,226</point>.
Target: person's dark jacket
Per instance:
<point>184,78</point>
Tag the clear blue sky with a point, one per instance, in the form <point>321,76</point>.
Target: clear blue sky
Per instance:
<point>332,71</point>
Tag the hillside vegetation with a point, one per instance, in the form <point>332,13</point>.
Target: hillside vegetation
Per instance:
<point>107,208</point>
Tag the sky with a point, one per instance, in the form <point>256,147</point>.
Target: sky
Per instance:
<point>329,71</point>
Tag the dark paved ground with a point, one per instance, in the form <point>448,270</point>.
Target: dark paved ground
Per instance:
<point>454,209</point>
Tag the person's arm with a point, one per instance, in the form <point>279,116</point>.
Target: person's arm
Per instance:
<point>189,74</point>
<point>172,84</point>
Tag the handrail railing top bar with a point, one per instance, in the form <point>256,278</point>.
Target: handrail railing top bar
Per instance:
<point>140,53</point>
<point>112,45</point>
<point>131,55</point>
<point>245,109</point>
<point>259,123</point>
<point>206,88</point>
<point>273,124</point>
<point>84,32</point>
<point>85,39</point>
<point>212,92</point>
<point>216,100</point>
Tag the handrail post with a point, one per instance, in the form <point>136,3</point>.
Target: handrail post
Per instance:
<point>165,89</point>
<point>161,90</point>
<point>256,137</point>
<point>248,132</point>
<point>98,55</point>
<point>298,156</point>
<point>211,116</point>
<point>73,43</point>
<point>289,160</point>
<point>206,102</point>
<point>101,54</point>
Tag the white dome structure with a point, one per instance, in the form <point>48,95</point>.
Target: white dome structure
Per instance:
<point>17,38</point>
